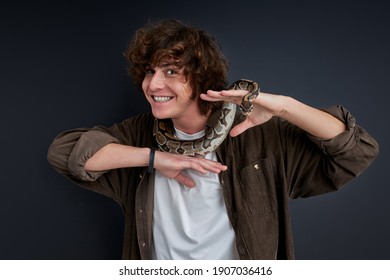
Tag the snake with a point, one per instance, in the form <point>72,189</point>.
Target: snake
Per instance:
<point>216,130</point>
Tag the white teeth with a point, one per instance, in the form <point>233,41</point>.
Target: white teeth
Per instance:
<point>161,98</point>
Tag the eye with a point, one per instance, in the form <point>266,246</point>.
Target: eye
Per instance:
<point>171,72</point>
<point>149,71</point>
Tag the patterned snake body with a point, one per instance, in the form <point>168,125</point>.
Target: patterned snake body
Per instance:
<point>215,133</point>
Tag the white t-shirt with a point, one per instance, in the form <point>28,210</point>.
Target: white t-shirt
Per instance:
<point>191,223</point>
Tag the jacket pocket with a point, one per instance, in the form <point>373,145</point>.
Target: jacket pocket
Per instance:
<point>258,186</point>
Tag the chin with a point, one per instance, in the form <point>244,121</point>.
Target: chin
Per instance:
<point>161,115</point>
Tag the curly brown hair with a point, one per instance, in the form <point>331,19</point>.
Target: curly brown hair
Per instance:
<point>195,50</point>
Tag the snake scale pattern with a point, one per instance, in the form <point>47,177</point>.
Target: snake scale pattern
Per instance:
<point>215,133</point>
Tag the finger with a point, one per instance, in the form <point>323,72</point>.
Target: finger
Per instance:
<point>185,180</point>
<point>206,97</point>
<point>215,166</point>
<point>233,93</point>
<point>224,94</point>
<point>234,96</point>
<point>204,165</point>
<point>240,128</point>
<point>213,96</point>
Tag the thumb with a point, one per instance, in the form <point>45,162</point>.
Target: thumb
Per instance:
<point>185,180</point>
<point>240,128</point>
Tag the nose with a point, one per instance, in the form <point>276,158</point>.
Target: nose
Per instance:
<point>156,81</point>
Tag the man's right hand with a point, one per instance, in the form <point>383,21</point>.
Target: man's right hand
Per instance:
<point>171,166</point>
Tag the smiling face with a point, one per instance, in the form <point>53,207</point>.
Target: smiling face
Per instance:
<point>170,95</point>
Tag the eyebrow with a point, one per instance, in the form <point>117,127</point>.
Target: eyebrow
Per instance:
<point>168,64</point>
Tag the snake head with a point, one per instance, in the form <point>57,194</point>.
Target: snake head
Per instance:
<point>253,89</point>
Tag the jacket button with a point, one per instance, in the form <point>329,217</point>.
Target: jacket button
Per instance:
<point>256,166</point>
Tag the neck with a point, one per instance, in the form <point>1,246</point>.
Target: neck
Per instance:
<point>191,125</point>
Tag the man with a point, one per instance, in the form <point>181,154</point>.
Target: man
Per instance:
<point>189,190</point>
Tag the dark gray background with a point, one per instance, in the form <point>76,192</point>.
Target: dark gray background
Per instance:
<point>62,67</point>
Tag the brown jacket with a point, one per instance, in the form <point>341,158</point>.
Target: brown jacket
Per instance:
<point>267,165</point>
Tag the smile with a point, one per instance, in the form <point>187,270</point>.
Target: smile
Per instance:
<point>161,99</point>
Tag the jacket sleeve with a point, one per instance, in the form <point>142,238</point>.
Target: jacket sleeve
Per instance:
<point>71,149</point>
<point>317,165</point>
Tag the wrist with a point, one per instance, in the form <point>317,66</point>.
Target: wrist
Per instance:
<point>151,160</point>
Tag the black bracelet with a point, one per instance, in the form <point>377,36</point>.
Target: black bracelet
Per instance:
<point>151,161</point>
